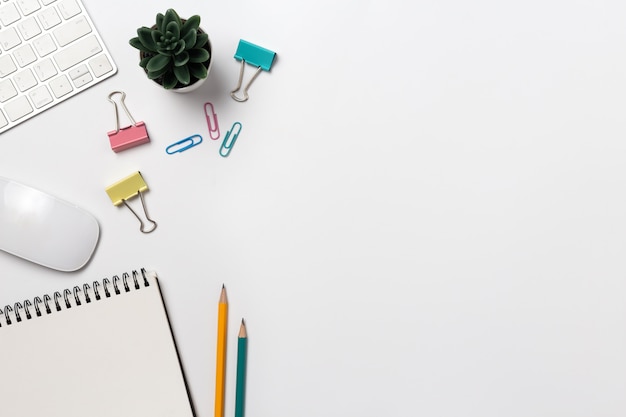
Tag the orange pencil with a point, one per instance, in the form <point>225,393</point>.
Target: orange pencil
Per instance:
<point>220,368</point>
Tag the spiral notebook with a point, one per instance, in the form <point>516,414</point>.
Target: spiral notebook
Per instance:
<point>103,349</point>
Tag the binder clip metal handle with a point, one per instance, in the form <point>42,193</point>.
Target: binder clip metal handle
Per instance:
<point>117,115</point>
<point>123,138</point>
<point>127,188</point>
<point>245,90</point>
<point>145,210</point>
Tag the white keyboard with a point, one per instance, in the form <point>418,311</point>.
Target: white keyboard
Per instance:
<point>50,51</point>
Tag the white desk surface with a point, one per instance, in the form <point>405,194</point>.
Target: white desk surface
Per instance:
<point>424,214</point>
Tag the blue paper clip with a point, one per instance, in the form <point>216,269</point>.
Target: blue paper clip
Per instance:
<point>184,144</point>
<point>256,56</point>
<point>227,145</point>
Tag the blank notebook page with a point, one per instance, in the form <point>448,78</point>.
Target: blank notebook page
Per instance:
<point>111,357</point>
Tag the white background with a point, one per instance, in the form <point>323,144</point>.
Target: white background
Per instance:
<point>423,215</point>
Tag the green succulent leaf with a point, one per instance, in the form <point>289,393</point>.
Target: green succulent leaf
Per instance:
<point>198,71</point>
<point>156,36</point>
<point>181,59</point>
<point>189,38</point>
<point>198,55</point>
<point>169,80</point>
<point>182,74</point>
<point>160,18</point>
<point>157,63</point>
<point>136,43</point>
<point>144,35</point>
<point>172,30</point>
<point>156,74</point>
<point>191,25</point>
<point>181,47</point>
<point>201,40</point>
<point>166,48</point>
<point>171,16</point>
<point>144,61</point>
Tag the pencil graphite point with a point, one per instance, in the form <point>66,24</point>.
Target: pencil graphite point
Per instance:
<point>242,330</point>
<point>223,298</point>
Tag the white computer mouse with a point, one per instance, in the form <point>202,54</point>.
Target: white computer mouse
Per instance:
<point>44,229</point>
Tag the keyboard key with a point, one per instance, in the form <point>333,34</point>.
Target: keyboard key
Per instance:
<point>7,66</point>
<point>29,28</point>
<point>44,45</point>
<point>100,65</point>
<point>80,76</point>
<point>68,8</point>
<point>79,71</point>
<point>47,2</point>
<point>24,55</point>
<point>25,79</point>
<point>60,86</point>
<point>72,30</point>
<point>9,14</point>
<point>28,6</point>
<point>9,38</point>
<point>40,96</point>
<point>77,52</point>
<point>7,90</point>
<point>49,18</point>
<point>3,120</point>
<point>45,69</point>
<point>18,108</point>
<point>82,80</point>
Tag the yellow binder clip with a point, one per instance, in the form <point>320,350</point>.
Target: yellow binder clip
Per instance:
<point>127,188</point>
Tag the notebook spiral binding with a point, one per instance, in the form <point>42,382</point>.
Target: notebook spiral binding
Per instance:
<point>10,315</point>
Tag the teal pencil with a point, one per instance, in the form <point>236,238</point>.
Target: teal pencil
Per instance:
<point>242,353</point>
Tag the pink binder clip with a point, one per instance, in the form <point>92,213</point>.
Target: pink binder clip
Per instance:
<point>129,136</point>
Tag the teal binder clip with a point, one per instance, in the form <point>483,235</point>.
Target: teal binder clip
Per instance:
<point>249,53</point>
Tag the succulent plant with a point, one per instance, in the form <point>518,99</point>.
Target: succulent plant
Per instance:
<point>174,52</point>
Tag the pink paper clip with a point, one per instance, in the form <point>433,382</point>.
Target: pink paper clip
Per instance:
<point>211,121</point>
<point>129,136</point>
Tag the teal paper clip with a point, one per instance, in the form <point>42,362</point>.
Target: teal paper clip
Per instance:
<point>227,145</point>
<point>183,145</point>
<point>249,53</point>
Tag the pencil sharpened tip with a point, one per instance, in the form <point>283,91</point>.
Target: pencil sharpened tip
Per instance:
<point>223,298</point>
<point>242,330</point>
